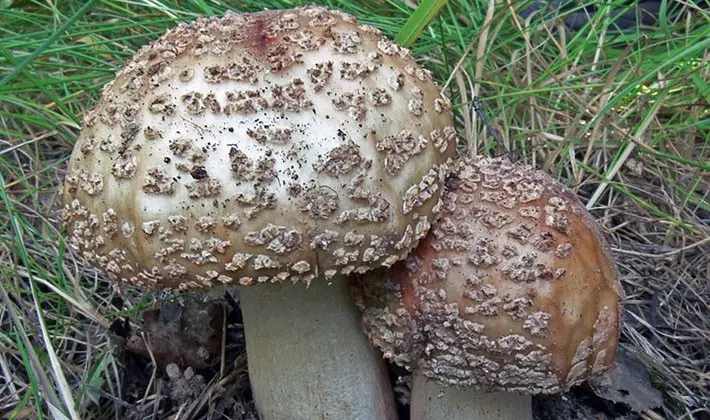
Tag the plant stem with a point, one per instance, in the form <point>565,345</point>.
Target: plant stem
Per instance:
<point>432,401</point>
<point>308,356</point>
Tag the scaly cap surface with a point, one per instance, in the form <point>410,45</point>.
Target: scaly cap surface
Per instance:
<point>268,147</point>
<point>512,290</point>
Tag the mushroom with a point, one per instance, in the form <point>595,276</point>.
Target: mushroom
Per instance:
<point>280,153</point>
<point>513,292</point>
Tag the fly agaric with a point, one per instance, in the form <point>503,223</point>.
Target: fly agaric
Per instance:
<point>278,152</point>
<point>513,292</point>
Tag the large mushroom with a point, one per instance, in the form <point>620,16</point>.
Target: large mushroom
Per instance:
<point>513,292</point>
<point>278,152</point>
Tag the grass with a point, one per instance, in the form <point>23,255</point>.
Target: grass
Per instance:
<point>622,117</point>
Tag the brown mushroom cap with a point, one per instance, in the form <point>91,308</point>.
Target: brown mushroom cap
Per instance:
<point>266,147</point>
<point>513,289</point>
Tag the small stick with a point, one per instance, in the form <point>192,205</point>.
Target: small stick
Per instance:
<point>481,112</point>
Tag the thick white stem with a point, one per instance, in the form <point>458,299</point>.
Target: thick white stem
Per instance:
<point>432,401</point>
<point>308,356</point>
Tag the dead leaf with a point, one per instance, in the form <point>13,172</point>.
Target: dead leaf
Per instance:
<point>188,334</point>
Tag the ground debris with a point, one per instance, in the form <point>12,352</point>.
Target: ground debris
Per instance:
<point>184,384</point>
<point>627,383</point>
<point>577,404</point>
<point>187,334</point>
<point>181,381</point>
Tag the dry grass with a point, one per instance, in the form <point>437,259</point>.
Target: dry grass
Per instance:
<point>621,118</point>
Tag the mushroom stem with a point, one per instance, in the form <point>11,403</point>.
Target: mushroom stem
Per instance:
<point>432,401</point>
<point>308,356</point>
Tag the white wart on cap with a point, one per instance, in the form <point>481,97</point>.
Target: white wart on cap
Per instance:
<point>513,289</point>
<point>268,147</point>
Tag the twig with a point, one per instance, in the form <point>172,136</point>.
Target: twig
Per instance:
<point>665,254</point>
<point>481,112</point>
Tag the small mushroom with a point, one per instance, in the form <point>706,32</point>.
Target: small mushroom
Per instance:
<point>277,152</point>
<point>513,292</point>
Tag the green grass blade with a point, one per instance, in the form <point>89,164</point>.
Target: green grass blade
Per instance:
<point>412,29</point>
<point>47,42</point>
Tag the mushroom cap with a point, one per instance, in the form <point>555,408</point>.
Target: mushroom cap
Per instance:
<point>513,289</point>
<point>276,146</point>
